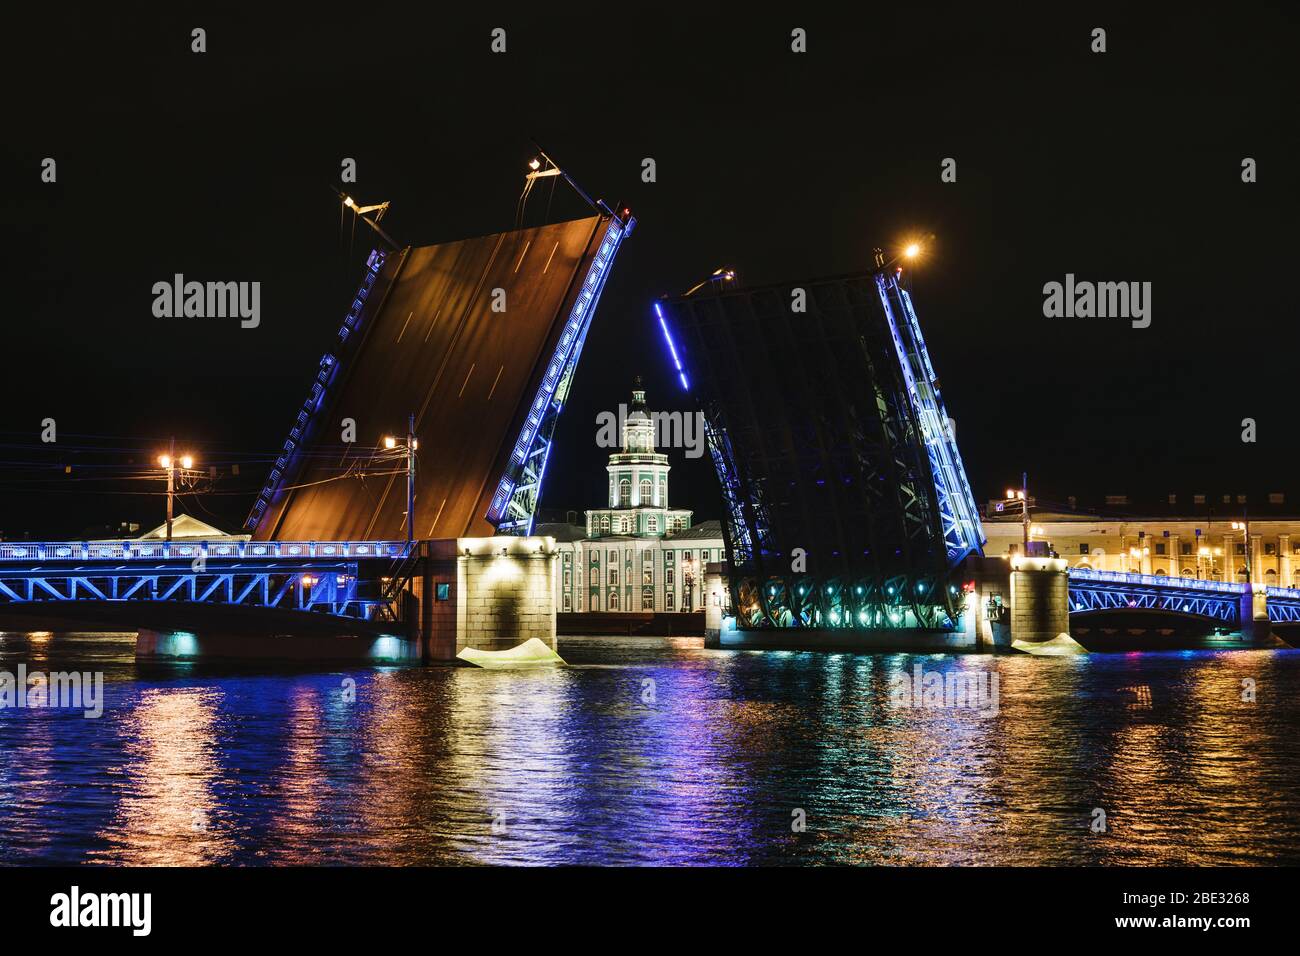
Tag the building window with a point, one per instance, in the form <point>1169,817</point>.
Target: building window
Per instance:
<point>647,601</point>
<point>646,493</point>
<point>613,576</point>
<point>668,577</point>
<point>648,576</point>
<point>613,600</point>
<point>1198,499</point>
<point>604,523</point>
<point>568,579</point>
<point>568,603</point>
<point>1160,547</point>
<point>625,493</point>
<point>1185,547</point>
<point>1117,499</point>
<point>1188,573</point>
<point>652,522</point>
<point>1241,576</point>
<point>1239,548</point>
<point>668,556</point>
<point>613,557</point>
<point>1270,548</point>
<point>1275,498</point>
<point>1083,547</point>
<point>668,599</point>
<point>1173,499</point>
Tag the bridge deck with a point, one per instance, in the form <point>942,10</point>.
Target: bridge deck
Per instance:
<point>432,340</point>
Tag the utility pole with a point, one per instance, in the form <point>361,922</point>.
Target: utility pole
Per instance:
<point>1024,506</point>
<point>410,481</point>
<point>171,484</point>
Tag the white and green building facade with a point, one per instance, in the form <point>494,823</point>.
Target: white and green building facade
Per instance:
<point>635,553</point>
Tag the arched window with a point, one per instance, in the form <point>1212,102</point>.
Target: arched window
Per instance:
<point>1295,578</point>
<point>1187,573</point>
<point>625,493</point>
<point>613,600</point>
<point>646,492</point>
<point>1270,577</point>
<point>1083,564</point>
<point>652,522</point>
<point>1241,576</point>
<point>1162,573</point>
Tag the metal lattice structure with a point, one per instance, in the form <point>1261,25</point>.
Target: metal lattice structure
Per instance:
<point>1283,605</point>
<point>846,501</point>
<point>514,504</point>
<point>339,578</point>
<point>1091,590</point>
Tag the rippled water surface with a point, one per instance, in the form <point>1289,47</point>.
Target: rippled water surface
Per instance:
<point>656,751</point>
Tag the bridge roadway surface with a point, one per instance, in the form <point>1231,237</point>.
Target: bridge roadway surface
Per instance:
<point>435,347</point>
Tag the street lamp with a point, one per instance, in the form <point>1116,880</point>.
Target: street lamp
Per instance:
<point>408,448</point>
<point>169,464</point>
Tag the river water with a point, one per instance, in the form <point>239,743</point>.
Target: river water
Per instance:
<point>659,751</point>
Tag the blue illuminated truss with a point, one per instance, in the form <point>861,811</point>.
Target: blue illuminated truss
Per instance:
<point>514,504</point>
<point>329,366</point>
<point>319,576</point>
<point>962,531</point>
<point>1092,590</point>
<point>1283,605</point>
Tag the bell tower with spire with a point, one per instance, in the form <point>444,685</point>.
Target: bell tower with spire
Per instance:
<point>638,481</point>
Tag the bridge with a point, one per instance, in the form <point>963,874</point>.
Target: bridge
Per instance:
<point>846,504</point>
<point>1221,602</point>
<point>466,348</point>
<point>848,517</point>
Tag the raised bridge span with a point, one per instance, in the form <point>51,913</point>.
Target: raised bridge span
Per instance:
<point>472,345</point>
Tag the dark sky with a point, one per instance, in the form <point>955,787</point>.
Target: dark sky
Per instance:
<point>1116,166</point>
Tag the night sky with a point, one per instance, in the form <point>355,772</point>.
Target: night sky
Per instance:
<point>1122,166</point>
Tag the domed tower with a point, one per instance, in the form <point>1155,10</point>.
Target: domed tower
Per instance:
<point>638,480</point>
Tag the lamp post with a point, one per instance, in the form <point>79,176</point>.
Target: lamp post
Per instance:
<point>409,449</point>
<point>1244,527</point>
<point>169,463</point>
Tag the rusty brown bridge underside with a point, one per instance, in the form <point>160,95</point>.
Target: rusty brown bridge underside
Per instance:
<point>462,335</point>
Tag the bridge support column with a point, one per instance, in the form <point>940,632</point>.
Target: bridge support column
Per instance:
<point>1040,600</point>
<point>1255,624</point>
<point>490,594</point>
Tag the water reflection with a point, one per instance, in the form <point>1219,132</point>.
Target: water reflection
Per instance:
<point>659,752</point>
<point>166,812</point>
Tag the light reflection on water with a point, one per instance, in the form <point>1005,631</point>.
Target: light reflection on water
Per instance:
<point>655,751</point>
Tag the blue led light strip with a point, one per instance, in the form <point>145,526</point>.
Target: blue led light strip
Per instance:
<point>514,503</point>
<point>671,347</point>
<point>324,376</point>
<point>962,531</point>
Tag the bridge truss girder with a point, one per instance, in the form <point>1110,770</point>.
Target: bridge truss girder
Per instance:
<point>335,588</point>
<point>832,449</point>
<point>1087,598</point>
